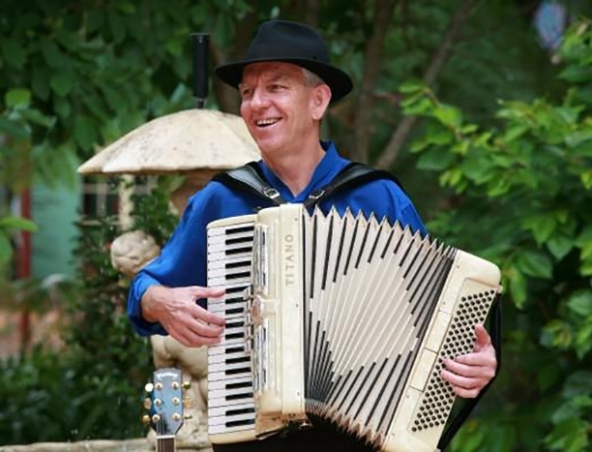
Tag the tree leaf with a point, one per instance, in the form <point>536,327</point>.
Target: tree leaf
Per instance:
<point>578,383</point>
<point>412,87</point>
<point>448,115</point>
<point>62,83</point>
<point>18,98</point>
<point>5,249</point>
<point>13,52</point>
<point>52,54</point>
<point>17,223</point>
<point>560,246</point>
<point>16,129</point>
<point>580,302</point>
<point>85,132</point>
<point>518,288</point>
<point>542,226</point>
<point>117,26</point>
<point>535,263</point>
<point>435,159</point>
<point>40,81</point>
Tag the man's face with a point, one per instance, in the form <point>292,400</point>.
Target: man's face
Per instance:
<point>278,106</point>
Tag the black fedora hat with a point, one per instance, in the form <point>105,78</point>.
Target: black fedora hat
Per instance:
<point>290,42</point>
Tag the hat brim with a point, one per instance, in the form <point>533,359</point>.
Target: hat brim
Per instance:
<point>339,82</point>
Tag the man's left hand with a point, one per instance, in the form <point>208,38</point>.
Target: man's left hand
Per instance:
<point>469,374</point>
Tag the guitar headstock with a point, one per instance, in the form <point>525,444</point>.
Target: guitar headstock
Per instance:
<point>165,401</point>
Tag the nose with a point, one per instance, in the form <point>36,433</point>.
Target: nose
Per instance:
<point>259,99</point>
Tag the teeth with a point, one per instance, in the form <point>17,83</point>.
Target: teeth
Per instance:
<point>266,122</point>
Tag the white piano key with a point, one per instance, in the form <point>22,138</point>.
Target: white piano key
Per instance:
<point>229,412</point>
<point>231,398</point>
<point>214,384</point>
<point>223,357</point>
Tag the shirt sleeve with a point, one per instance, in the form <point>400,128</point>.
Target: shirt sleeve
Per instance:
<point>181,263</point>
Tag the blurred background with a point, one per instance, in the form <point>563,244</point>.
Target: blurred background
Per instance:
<point>483,109</point>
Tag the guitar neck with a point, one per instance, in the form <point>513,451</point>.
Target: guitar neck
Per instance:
<point>165,444</point>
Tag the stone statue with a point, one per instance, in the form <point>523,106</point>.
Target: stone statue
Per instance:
<point>129,253</point>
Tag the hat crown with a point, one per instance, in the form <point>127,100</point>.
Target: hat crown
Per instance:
<point>289,42</point>
<point>283,39</point>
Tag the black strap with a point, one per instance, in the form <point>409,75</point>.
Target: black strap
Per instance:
<point>352,175</point>
<point>495,331</point>
<point>250,178</point>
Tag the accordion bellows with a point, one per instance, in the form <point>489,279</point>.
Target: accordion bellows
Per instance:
<point>339,317</point>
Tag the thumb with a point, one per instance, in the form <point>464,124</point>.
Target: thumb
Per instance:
<point>482,338</point>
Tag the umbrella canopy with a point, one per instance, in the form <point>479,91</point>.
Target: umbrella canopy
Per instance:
<point>177,143</point>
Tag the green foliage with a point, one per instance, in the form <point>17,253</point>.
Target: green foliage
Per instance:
<point>152,213</point>
<point>93,387</point>
<point>8,226</point>
<point>520,192</point>
<point>56,397</point>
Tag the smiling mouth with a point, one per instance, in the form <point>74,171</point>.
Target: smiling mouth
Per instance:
<point>266,122</point>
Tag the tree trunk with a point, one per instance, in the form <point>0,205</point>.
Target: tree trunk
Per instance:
<point>405,127</point>
<point>311,14</point>
<point>227,97</point>
<point>383,11</point>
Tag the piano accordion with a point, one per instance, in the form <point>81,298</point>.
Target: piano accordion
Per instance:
<point>338,317</point>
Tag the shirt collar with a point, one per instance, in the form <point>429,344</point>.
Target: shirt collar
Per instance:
<point>324,173</point>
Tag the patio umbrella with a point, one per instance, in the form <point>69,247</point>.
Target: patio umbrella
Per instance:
<point>181,142</point>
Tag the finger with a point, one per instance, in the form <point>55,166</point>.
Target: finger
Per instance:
<point>465,393</point>
<point>460,381</point>
<point>462,369</point>
<point>198,334</point>
<point>206,329</point>
<point>482,359</point>
<point>192,339</point>
<point>208,317</point>
<point>197,340</point>
<point>482,338</point>
<point>209,292</point>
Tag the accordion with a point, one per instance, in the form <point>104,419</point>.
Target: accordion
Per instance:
<point>338,317</point>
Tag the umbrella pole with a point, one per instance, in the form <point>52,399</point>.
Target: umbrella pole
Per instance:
<point>200,67</point>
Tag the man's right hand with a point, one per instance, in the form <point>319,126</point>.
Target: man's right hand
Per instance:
<point>176,309</point>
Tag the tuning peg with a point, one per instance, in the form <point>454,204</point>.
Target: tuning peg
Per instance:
<point>157,402</point>
<point>176,417</point>
<point>186,385</point>
<point>186,402</point>
<point>187,416</point>
<point>158,386</point>
<point>146,419</point>
<point>149,387</point>
<point>156,418</point>
<point>176,401</point>
<point>147,403</point>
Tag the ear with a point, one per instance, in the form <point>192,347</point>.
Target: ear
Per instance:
<point>321,96</point>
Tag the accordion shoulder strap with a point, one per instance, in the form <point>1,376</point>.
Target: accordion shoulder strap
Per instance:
<point>495,329</point>
<point>354,174</point>
<point>250,178</point>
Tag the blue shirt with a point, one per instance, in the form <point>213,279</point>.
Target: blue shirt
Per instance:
<point>183,260</point>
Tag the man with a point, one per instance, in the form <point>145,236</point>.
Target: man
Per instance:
<point>286,83</point>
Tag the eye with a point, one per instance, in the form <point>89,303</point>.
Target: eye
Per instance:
<point>246,92</point>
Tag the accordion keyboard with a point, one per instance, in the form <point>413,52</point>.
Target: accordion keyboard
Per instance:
<point>231,406</point>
